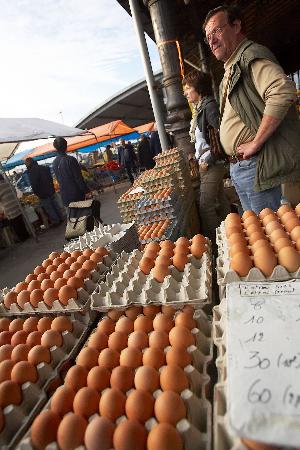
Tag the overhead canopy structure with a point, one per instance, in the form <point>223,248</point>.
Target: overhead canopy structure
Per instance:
<point>147,127</point>
<point>89,142</point>
<point>6,150</point>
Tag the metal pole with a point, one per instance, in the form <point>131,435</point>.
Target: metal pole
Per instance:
<point>149,73</point>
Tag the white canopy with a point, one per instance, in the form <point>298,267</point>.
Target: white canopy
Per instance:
<point>13,131</point>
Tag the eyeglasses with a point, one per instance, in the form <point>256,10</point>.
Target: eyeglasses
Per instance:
<point>216,32</point>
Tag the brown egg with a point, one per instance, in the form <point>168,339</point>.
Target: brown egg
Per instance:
<point>5,337</point>
<point>117,341</point>
<point>239,247</point>
<point>76,377</point>
<point>109,358</point>
<point>173,378</point>
<point>112,404</point>
<point>34,284</point>
<point>265,212</point>
<point>47,262</point>
<point>39,354</point>
<point>253,228</point>
<point>272,226</point>
<point>146,379</point>
<point>252,220</point>
<point>59,283</point>
<point>248,213</point>
<point>55,275</point>
<point>129,435</point>
<point>51,338</point>
<point>265,260</point>
<point>158,339</point>
<point>281,243</point>
<point>232,229</point>
<point>30,277</point>
<point>22,298</point>
<point>99,430</point>
<point>295,233</point>
<point>163,323</point>
<point>30,324</point>
<point>255,445</point>
<point>183,241</point>
<point>199,239</point>
<point>24,371</point>
<point>89,265</point>
<point>197,249</point>
<point>269,218</point>
<point>98,378</point>
<point>139,405</point>
<point>181,337</point>
<point>57,261</point>
<point>178,357</point>
<point>70,260</point>
<point>20,352</point>
<point>19,338</point>
<point>6,367</point>
<point>75,282</point>
<point>54,255</point>
<point>257,236</point>
<point>88,357</point>
<point>288,216</point>
<point>4,324</point>
<point>154,246</point>
<point>289,258</point>
<point>146,264</point>
<point>106,326</point>
<point>5,352</point>
<point>68,273</point>
<point>124,325</point>
<point>96,258</point>
<point>260,243</point>
<point>150,254</point>
<point>151,310</point>
<point>61,324</point>
<point>159,272</point>
<point>122,378</point>
<point>49,270</point>
<point>62,400</point>
<point>232,218</point>
<point>86,402</point>
<point>167,252</point>
<point>143,323</point>
<point>87,252</point>
<point>138,339</point>
<point>277,234</point>
<point>98,341</point>
<point>75,266</point>
<point>39,269</point>
<point>66,293</point>
<point>168,310</point>
<point>36,296</point>
<point>131,357</point>
<point>22,286</point>
<point>10,393</point>
<point>50,295</point>
<point>166,244</point>
<point>34,338</point>
<point>170,408</point>
<point>63,267</point>
<point>115,314</point>
<point>162,260</point>
<point>82,273</point>
<point>9,299</point>
<point>76,254</point>
<point>16,325</point>
<point>102,251</point>
<point>154,357</point>
<point>179,261</point>
<point>133,312</point>
<point>44,429</point>
<point>70,433</point>
<point>237,237</point>
<point>44,324</point>
<point>291,224</point>
<point>164,436</point>
<point>241,263</point>
<point>44,276</point>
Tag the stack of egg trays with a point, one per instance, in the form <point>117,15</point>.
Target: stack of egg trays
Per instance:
<point>162,182</point>
<point>226,275</point>
<point>223,435</point>
<point>167,234</point>
<point>74,305</point>
<point>127,285</point>
<point>18,418</point>
<point>117,237</point>
<point>196,430</point>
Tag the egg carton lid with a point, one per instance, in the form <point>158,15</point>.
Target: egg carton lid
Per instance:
<point>18,417</point>
<point>74,305</point>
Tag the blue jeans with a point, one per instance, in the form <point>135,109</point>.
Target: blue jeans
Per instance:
<point>52,209</point>
<point>243,176</point>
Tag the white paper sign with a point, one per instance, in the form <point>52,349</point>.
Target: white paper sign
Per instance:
<point>263,361</point>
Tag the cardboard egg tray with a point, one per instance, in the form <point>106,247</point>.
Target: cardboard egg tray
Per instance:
<point>74,305</point>
<point>128,285</point>
<point>17,418</point>
<point>226,275</point>
<point>168,234</point>
<point>196,429</point>
<point>117,237</point>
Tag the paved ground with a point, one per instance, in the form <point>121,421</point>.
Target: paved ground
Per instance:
<point>19,260</point>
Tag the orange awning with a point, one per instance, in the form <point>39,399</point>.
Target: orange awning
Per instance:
<point>102,133</point>
<point>145,128</point>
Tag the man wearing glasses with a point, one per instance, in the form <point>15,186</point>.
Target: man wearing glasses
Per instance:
<point>259,127</point>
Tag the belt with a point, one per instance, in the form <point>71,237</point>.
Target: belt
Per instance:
<point>235,158</point>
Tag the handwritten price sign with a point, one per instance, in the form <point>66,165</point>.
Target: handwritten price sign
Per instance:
<point>263,361</point>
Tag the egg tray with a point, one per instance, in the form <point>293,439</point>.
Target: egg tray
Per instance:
<point>168,233</point>
<point>226,275</point>
<point>19,417</point>
<point>74,305</point>
<point>157,202</point>
<point>120,237</point>
<point>153,217</point>
<point>128,285</point>
<point>196,430</point>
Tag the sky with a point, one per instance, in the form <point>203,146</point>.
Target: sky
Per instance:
<point>62,58</point>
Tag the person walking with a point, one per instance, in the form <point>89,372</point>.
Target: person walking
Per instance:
<point>145,153</point>
<point>127,159</point>
<point>214,205</point>
<point>68,174</point>
<point>42,185</point>
<point>260,128</point>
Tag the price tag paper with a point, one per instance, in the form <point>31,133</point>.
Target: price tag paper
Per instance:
<point>263,361</point>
